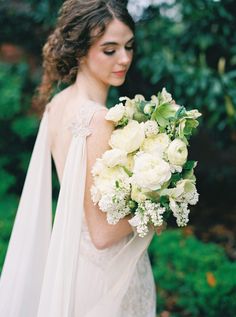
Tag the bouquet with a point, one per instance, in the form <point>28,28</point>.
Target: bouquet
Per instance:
<point>146,173</point>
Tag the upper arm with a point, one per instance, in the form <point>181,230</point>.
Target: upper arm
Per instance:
<point>97,142</point>
<point>101,232</point>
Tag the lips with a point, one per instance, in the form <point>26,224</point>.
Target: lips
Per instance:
<point>120,73</point>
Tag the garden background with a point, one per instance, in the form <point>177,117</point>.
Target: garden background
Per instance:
<point>189,47</point>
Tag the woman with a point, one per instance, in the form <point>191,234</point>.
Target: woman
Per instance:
<point>84,267</point>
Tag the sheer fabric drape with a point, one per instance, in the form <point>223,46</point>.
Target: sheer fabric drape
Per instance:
<point>22,274</point>
<point>42,267</point>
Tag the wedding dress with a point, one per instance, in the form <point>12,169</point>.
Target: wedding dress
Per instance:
<point>57,271</point>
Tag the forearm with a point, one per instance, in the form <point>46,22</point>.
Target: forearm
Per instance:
<point>102,233</point>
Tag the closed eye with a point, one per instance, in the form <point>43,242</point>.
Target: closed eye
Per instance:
<point>129,48</point>
<point>109,52</point>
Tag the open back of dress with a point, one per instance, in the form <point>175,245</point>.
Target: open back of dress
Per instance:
<point>57,272</point>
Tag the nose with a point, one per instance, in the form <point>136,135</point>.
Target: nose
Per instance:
<point>125,57</point>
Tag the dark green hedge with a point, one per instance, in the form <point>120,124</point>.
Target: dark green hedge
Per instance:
<point>193,278</point>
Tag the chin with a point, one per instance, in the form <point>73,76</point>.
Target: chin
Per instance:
<point>117,83</point>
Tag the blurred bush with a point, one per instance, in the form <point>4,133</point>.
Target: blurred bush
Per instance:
<point>193,278</point>
<point>7,213</point>
<point>190,47</point>
<point>27,22</point>
<point>16,128</point>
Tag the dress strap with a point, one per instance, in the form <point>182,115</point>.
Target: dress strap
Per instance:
<point>80,125</point>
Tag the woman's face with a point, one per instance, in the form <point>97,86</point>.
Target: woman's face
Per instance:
<point>109,58</point>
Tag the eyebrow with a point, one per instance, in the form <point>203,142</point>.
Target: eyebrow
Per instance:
<point>115,43</point>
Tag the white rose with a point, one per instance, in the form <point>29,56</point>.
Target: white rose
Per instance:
<point>129,138</point>
<point>176,168</point>
<point>98,167</point>
<point>150,172</point>
<point>130,162</point>
<point>151,128</point>
<point>130,108</point>
<point>106,180</point>
<point>177,152</point>
<point>137,194</point>
<point>185,190</point>
<point>116,113</point>
<point>156,145</point>
<point>114,157</point>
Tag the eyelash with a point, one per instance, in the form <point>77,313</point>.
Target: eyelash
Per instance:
<point>128,48</point>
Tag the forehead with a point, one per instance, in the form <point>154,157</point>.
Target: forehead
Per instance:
<point>116,31</point>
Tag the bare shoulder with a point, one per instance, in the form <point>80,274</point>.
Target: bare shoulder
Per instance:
<point>58,100</point>
<point>100,124</point>
<point>98,141</point>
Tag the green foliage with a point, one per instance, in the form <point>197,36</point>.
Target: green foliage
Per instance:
<point>10,90</point>
<point>193,278</point>
<point>25,127</point>
<point>7,213</point>
<point>16,127</point>
<point>7,180</point>
<point>190,47</point>
<point>27,22</point>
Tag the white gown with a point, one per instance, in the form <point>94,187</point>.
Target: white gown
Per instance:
<point>58,272</point>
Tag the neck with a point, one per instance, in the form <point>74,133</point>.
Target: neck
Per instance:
<point>88,87</point>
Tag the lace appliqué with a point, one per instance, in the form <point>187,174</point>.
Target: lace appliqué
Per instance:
<point>140,299</point>
<point>98,257</point>
<point>79,129</point>
<point>79,126</point>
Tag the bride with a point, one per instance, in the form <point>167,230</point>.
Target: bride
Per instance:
<point>81,266</point>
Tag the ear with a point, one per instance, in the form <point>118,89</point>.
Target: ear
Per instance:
<point>81,60</point>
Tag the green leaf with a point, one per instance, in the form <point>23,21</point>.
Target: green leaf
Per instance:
<point>190,124</point>
<point>163,114</point>
<point>189,165</point>
<point>141,105</point>
<point>140,117</point>
<point>123,122</point>
<point>189,174</point>
<point>175,178</point>
<point>164,201</point>
<point>181,112</point>
<point>127,171</point>
<point>132,205</point>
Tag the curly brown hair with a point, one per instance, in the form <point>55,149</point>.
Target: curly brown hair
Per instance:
<point>73,36</point>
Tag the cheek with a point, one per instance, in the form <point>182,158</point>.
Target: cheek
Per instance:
<point>99,60</point>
